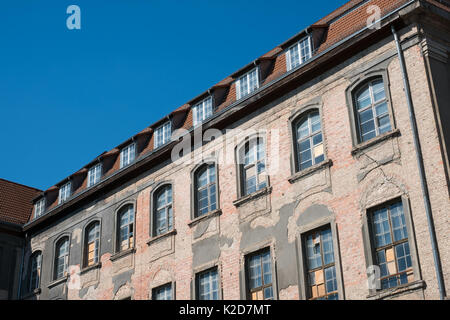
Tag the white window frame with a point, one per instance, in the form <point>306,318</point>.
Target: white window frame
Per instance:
<point>66,191</point>
<point>246,76</point>
<point>297,44</point>
<point>96,173</point>
<point>39,208</point>
<point>206,107</point>
<point>130,150</point>
<point>165,130</point>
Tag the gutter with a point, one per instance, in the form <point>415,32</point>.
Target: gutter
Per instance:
<point>33,223</point>
<point>420,164</point>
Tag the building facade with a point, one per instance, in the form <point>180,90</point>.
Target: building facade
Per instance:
<point>318,171</point>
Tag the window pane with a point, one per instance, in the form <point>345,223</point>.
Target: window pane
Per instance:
<point>163,293</point>
<point>208,285</point>
<point>327,247</point>
<point>363,99</point>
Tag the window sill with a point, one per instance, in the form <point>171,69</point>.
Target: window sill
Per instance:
<point>324,164</point>
<point>209,215</point>
<point>32,294</point>
<point>239,202</point>
<point>58,281</point>
<point>122,254</point>
<point>161,236</point>
<point>413,286</point>
<point>385,136</point>
<point>89,268</point>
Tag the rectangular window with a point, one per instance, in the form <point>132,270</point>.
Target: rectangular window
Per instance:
<point>299,53</point>
<point>321,270</point>
<point>163,292</point>
<point>202,111</point>
<point>246,84</point>
<point>35,276</point>
<point>94,174</point>
<point>163,134</point>
<point>127,155</point>
<point>254,167</point>
<point>64,192</point>
<point>39,208</point>
<point>390,240</point>
<point>259,275</point>
<point>208,285</point>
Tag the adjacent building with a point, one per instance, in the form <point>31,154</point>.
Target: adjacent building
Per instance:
<point>15,210</point>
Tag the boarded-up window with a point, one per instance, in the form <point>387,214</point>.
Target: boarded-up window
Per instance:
<point>390,239</point>
<point>92,244</point>
<point>321,270</point>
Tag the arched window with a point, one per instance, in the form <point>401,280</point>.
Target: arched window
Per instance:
<point>309,140</point>
<point>125,230</point>
<point>252,164</point>
<point>372,113</point>
<point>61,257</point>
<point>162,210</point>
<point>35,270</point>
<point>92,244</point>
<point>205,190</point>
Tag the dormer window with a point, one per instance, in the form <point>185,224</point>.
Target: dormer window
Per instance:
<point>94,174</point>
<point>246,84</point>
<point>127,155</point>
<point>64,192</point>
<point>299,53</point>
<point>39,208</point>
<point>163,134</point>
<point>202,111</point>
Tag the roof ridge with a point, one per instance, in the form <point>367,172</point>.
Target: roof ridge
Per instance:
<point>20,184</point>
<point>349,5</point>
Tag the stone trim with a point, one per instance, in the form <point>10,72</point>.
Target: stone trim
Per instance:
<point>122,254</point>
<point>385,136</point>
<point>324,164</point>
<point>212,214</point>
<point>58,281</point>
<point>239,202</point>
<point>97,265</point>
<point>406,288</point>
<point>164,235</point>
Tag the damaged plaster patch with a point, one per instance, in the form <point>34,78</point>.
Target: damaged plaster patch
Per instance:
<point>265,221</point>
<point>284,250</point>
<point>205,251</point>
<point>225,243</point>
<point>88,293</point>
<point>121,279</point>
<point>76,235</point>
<point>124,291</point>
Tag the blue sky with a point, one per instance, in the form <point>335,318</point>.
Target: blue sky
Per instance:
<point>68,95</point>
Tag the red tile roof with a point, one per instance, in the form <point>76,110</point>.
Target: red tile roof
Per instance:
<point>16,202</point>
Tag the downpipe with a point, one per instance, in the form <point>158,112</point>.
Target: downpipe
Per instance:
<point>418,151</point>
